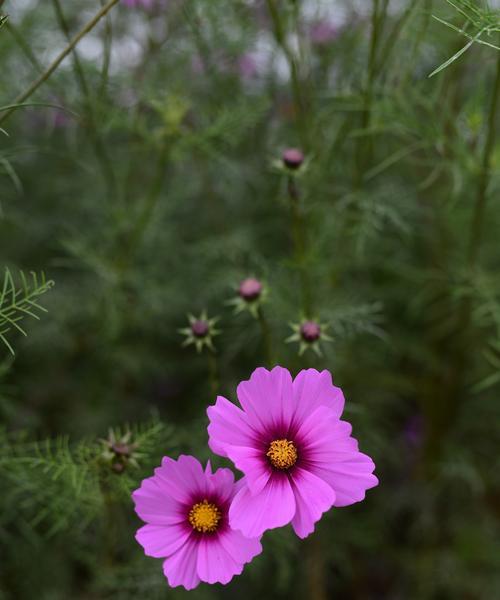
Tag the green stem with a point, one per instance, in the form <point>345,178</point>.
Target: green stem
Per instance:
<point>266,337</point>
<point>298,99</point>
<point>485,174</point>
<point>100,150</point>
<point>58,60</point>
<point>106,59</point>
<point>213,374</point>
<point>299,242</point>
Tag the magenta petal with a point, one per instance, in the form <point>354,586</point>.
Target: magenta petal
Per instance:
<point>154,505</point>
<point>181,478</point>
<point>273,507</point>
<point>228,426</point>
<point>241,548</point>
<point>349,477</point>
<point>312,389</point>
<point>162,540</point>
<point>180,568</point>
<point>313,497</point>
<point>267,398</point>
<point>215,564</point>
<point>250,461</point>
<point>221,484</point>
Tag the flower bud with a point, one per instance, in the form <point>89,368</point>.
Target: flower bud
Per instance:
<point>250,289</point>
<point>310,331</point>
<point>200,328</point>
<point>293,158</point>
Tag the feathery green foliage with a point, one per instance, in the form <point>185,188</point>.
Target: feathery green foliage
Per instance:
<point>17,302</point>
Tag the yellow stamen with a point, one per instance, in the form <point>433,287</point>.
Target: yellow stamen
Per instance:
<point>204,517</point>
<point>282,454</point>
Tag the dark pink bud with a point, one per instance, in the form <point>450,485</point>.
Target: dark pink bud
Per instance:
<point>310,331</point>
<point>121,449</point>
<point>293,158</point>
<point>250,289</point>
<point>200,328</point>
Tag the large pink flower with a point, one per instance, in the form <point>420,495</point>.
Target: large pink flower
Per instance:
<point>186,511</point>
<point>298,457</point>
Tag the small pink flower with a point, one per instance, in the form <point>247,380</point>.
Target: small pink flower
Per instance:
<point>186,511</point>
<point>298,457</point>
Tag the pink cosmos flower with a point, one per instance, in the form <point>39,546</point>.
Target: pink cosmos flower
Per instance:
<point>298,457</point>
<point>186,511</point>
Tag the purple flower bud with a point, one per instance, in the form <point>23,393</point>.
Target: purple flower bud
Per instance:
<point>323,32</point>
<point>250,289</point>
<point>293,158</point>
<point>200,328</point>
<point>310,331</point>
<point>121,449</point>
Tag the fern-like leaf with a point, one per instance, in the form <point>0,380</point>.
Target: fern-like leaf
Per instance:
<point>19,302</point>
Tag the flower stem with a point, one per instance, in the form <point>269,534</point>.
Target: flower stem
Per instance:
<point>100,149</point>
<point>266,337</point>
<point>58,60</point>
<point>299,242</point>
<point>213,373</point>
<point>484,176</point>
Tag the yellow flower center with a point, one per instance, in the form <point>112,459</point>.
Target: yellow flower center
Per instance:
<point>282,454</point>
<point>204,517</point>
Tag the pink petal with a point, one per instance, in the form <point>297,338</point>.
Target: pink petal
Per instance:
<point>228,426</point>
<point>349,477</point>
<point>181,478</point>
<point>312,389</point>
<point>251,462</point>
<point>313,497</point>
<point>241,548</point>
<point>180,568</point>
<point>154,505</point>
<point>324,437</point>
<point>273,507</point>
<point>267,398</point>
<point>215,564</point>
<point>162,540</point>
<point>221,484</point>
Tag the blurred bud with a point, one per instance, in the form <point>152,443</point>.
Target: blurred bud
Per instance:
<point>322,33</point>
<point>119,452</point>
<point>250,289</point>
<point>309,333</point>
<point>200,328</point>
<point>293,158</point>
<point>251,293</point>
<point>200,332</point>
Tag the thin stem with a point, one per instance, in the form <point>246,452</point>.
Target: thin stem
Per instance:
<point>484,176</point>
<point>299,242</point>
<point>213,373</point>
<point>100,150</point>
<point>298,99</point>
<point>266,337</point>
<point>59,58</point>
<point>106,59</point>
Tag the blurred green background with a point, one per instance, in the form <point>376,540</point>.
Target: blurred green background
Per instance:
<point>144,177</point>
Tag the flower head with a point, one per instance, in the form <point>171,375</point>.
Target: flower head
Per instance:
<point>293,158</point>
<point>186,513</point>
<point>250,295</point>
<point>200,332</point>
<point>120,452</point>
<point>298,457</point>
<point>309,333</point>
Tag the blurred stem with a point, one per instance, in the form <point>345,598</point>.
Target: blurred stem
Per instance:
<point>106,59</point>
<point>266,336</point>
<point>298,98</point>
<point>484,176</point>
<point>299,242</point>
<point>213,373</point>
<point>22,43</point>
<point>364,148</point>
<point>58,60</point>
<point>92,129</point>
